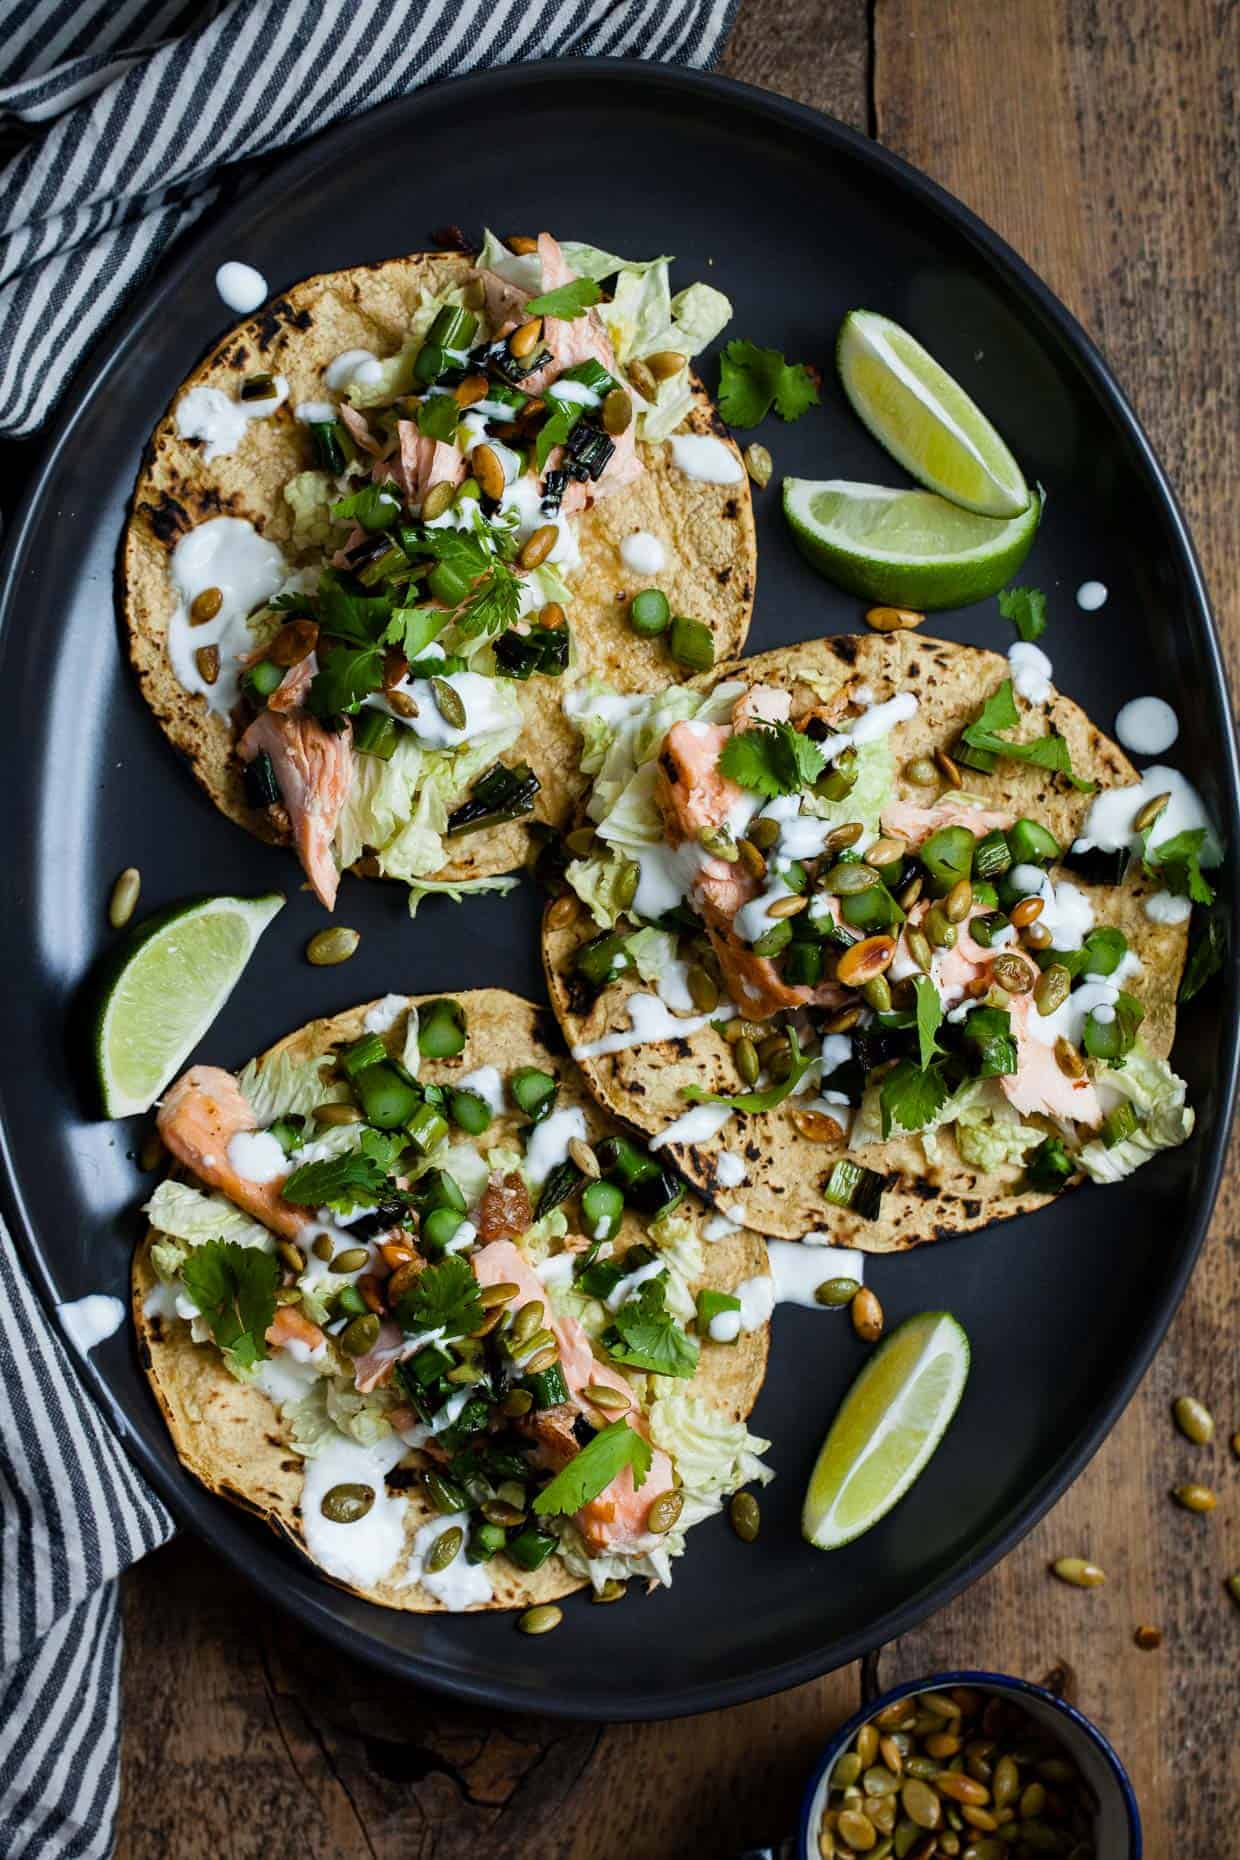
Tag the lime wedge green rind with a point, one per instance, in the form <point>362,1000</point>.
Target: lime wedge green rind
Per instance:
<point>888,1426</point>
<point>905,548</point>
<point>924,418</point>
<point>163,989</point>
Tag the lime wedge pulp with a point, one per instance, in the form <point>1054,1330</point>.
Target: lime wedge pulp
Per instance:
<point>905,548</point>
<point>925,419</point>
<point>165,986</point>
<point>888,1425</point>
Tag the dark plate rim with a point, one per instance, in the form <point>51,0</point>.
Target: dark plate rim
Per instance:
<point>191,1503</point>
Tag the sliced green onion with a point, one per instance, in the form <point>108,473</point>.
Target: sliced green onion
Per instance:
<point>448,583</point>
<point>602,1210</point>
<point>439,1227</point>
<point>427,1129</point>
<point>602,959</point>
<point>803,965</point>
<point>840,781</point>
<point>382,567</point>
<point>948,857</point>
<point>501,794</point>
<point>1120,1123</point>
<point>485,1541</point>
<point>431,1362</point>
<point>547,1386</point>
<point>649,613</point>
<point>777,937</point>
<point>530,1548</point>
<point>470,1111</point>
<point>985,929</point>
<point>329,454</point>
<point>533,1091</point>
<point>262,679</point>
<point>438,1189</point>
<point>348,1302</point>
<point>1050,1166</point>
<point>691,644</point>
<point>591,374</point>
<point>1031,844</point>
<point>368,1051</point>
<point>600,1280</point>
<point>387,1101</point>
<point>261,787</point>
<point>983,760</point>
<point>657,1194</point>
<point>375,733</point>
<point>851,1186</point>
<point>287,1134</point>
<point>441,1030</point>
<point>871,910</point>
<point>625,1162</point>
<point>453,328</point>
<point>992,856</point>
<point>559,1185</point>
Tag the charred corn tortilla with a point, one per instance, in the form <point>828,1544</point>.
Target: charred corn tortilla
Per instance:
<point>706,529</point>
<point>782,1193</point>
<point>229,1434</point>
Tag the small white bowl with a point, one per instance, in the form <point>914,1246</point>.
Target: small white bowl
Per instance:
<point>1118,1828</point>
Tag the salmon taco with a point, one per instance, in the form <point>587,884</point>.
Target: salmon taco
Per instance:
<point>878,938</point>
<point>394,516</point>
<point>411,1298</point>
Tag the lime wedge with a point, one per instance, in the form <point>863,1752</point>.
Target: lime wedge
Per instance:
<point>165,986</point>
<point>905,548</point>
<point>889,1423</point>
<point>925,419</point>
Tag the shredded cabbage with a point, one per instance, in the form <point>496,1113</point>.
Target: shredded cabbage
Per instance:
<point>185,1213</point>
<point>1167,1120</point>
<point>868,795</point>
<point>286,1087</point>
<point>333,1406</point>
<point>457,888</point>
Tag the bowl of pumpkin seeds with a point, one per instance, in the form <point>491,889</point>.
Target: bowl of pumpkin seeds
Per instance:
<point>969,1766</point>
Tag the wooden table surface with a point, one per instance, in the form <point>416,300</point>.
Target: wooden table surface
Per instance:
<point>1097,136</point>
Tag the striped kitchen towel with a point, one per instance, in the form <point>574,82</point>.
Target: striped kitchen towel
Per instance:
<point>121,123</point>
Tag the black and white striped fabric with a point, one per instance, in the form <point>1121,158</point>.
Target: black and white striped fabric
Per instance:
<point>121,115</point>
<point>121,123</point>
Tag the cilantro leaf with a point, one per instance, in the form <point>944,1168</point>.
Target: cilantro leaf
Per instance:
<point>345,675</point>
<point>355,1180</point>
<point>439,416</point>
<point>646,1336</point>
<point>1045,752</point>
<point>293,604</point>
<point>753,1102</point>
<point>592,1470</point>
<point>1176,863</point>
<point>910,1097</point>
<point>929,1018</point>
<point>1026,609</point>
<point>555,429</point>
<point>446,1295</point>
<point>458,548</point>
<point>375,507</point>
<point>567,301</point>
<point>752,380</point>
<point>1050,1167</point>
<point>234,1287</point>
<point>357,618</point>
<point>773,759</point>
<point>413,629</point>
<point>1205,958</point>
<point>990,1031</point>
<point>494,604</point>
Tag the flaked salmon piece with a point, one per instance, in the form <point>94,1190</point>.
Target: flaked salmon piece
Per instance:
<point>314,771</point>
<point>426,462</point>
<point>1038,1085</point>
<point>198,1118</point>
<point>690,789</point>
<point>753,982</point>
<point>616,1519</point>
<point>915,824</point>
<point>761,704</point>
<point>575,340</point>
<point>363,438</point>
<point>291,1326</point>
<point>290,693</point>
<point>385,1352</point>
<point>504,303</point>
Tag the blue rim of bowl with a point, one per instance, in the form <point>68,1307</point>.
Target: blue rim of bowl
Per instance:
<point>201,1510</point>
<point>982,1682</point>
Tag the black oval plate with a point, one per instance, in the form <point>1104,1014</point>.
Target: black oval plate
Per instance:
<point>799,220</point>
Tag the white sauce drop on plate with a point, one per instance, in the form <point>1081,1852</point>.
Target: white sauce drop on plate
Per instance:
<point>1147,726</point>
<point>642,553</point>
<point>702,456</point>
<point>87,1321</point>
<point>1091,595</point>
<point>242,288</point>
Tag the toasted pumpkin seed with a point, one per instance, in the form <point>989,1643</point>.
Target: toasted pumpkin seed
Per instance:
<point>352,1259</point>
<point>848,880</point>
<point>745,1059</point>
<point>745,1516</point>
<point>562,911</point>
<point>336,1114</point>
<point>939,928</point>
<point>842,837</point>
<point>780,908</point>
<point>842,1022</point>
<point>611,1401</point>
<point>1194,1420</point>
<point>665,363</point>
<point>1013,973</point>
<point>1052,989</point>
<point>1147,1638</point>
<point>759,464</point>
<point>858,1830</point>
<point>207,659</point>
<point>922,772</point>
<point>948,768</point>
<point>1024,913</point>
<point>624,887</point>
<point>703,989</point>
<point>641,377</point>
<point>1036,936</point>
<point>1194,1497</point>
<point>876,993</point>
<point>751,858</point>
<point>124,899</point>
<point>617,411</point>
<point>543,1357</point>
<point>735,1030</point>
<point>815,1126</point>
<point>665,1512</point>
<point>524,339</point>
<point>958,902</point>
<point>892,619</point>
<point>1077,1570</point>
<point>1150,812</point>
<point>920,1803</point>
<point>328,947</point>
<point>488,470</point>
<point>528,1320</point>
<point>360,1335</point>
<point>612,1591</point>
<point>885,851</point>
<point>205,606</point>
<point>919,948</point>
<point>534,552</point>
<point>1068,1059</point>
<point>516,1403</point>
<point>836,1292</point>
<point>322,1246</point>
<point>444,1550</point>
<point>867,1315</point>
<point>907,898</point>
<point>291,1256</point>
<point>346,1504</point>
<point>847,1770</point>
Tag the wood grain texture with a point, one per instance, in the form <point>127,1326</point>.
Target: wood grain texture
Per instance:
<point>1101,152</point>
<point>1105,160</point>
